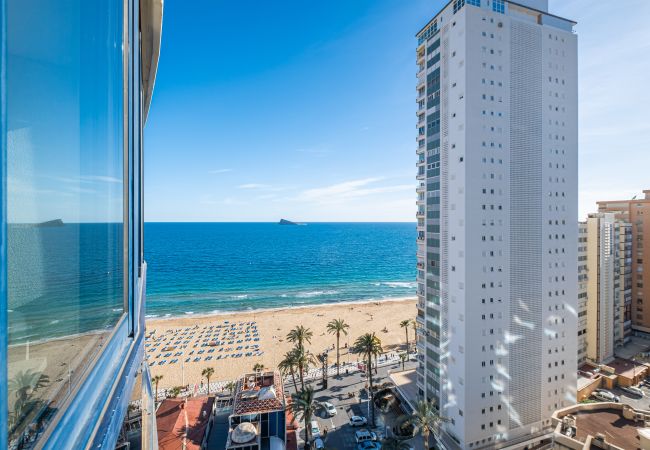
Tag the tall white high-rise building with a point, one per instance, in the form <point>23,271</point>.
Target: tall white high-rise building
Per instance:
<point>497,209</point>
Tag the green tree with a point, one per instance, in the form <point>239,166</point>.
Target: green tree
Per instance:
<point>303,405</point>
<point>427,420</point>
<point>368,345</point>
<point>299,335</point>
<point>406,324</point>
<point>289,365</point>
<point>230,386</point>
<point>304,359</point>
<point>258,367</point>
<point>207,373</point>
<point>156,380</point>
<point>337,326</point>
<point>403,357</point>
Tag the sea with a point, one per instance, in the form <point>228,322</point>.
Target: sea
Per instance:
<point>199,268</point>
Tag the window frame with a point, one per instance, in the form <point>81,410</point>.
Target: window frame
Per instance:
<point>92,414</point>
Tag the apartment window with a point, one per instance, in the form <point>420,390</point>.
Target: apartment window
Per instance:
<point>498,6</point>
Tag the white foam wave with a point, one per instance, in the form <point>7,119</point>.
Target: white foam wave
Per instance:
<point>311,294</point>
<point>400,284</point>
<point>189,313</point>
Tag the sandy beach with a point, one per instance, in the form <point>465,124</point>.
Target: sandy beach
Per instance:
<point>233,343</point>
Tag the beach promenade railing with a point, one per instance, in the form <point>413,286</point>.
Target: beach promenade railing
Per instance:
<point>221,387</point>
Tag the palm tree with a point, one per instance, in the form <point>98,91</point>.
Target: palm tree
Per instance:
<point>406,324</point>
<point>258,367</point>
<point>368,345</point>
<point>289,365</point>
<point>230,386</point>
<point>337,326</point>
<point>299,335</point>
<point>403,357</point>
<point>426,420</point>
<point>156,380</point>
<point>208,372</point>
<point>303,405</point>
<point>304,358</point>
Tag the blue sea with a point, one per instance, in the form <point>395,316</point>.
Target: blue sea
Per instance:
<point>198,268</point>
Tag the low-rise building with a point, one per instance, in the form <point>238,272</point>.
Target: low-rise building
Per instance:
<point>184,423</point>
<point>258,419</point>
<point>607,426</point>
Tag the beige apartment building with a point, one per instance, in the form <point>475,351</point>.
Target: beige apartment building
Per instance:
<point>637,213</point>
<point>582,293</point>
<point>605,251</point>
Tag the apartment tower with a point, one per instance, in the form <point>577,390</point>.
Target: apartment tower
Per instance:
<point>497,211</point>
<point>609,290</point>
<point>583,278</point>
<point>637,213</point>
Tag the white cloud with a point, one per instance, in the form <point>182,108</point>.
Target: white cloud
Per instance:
<point>350,190</point>
<point>253,186</point>
<point>218,171</point>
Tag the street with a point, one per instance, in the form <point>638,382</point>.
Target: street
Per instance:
<point>340,435</point>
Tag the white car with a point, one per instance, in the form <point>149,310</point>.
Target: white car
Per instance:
<point>358,421</point>
<point>364,435</point>
<point>330,409</point>
<point>633,390</point>
<point>605,396</point>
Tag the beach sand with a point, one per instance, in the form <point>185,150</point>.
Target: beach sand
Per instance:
<point>381,317</point>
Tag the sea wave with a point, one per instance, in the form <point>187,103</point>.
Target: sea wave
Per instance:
<point>311,294</point>
<point>398,284</point>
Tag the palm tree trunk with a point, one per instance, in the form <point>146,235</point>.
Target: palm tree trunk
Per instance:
<point>307,433</point>
<point>425,438</point>
<point>301,375</point>
<point>370,393</point>
<point>156,398</point>
<point>208,385</point>
<point>407,339</point>
<point>338,369</point>
<point>293,376</point>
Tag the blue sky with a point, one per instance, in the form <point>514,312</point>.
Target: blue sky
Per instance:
<point>306,110</point>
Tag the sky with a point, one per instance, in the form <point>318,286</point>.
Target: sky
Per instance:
<point>306,110</point>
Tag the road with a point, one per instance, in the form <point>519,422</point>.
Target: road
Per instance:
<point>340,435</point>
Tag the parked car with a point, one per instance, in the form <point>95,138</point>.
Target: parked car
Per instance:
<point>605,396</point>
<point>318,444</point>
<point>329,409</point>
<point>358,421</point>
<point>633,391</point>
<point>315,430</point>
<point>364,435</point>
<point>369,445</point>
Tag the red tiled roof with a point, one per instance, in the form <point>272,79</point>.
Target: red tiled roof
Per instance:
<point>172,417</point>
<point>242,405</point>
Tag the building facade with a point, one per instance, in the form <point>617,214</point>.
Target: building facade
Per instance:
<point>637,213</point>
<point>497,208</point>
<point>583,277</point>
<point>75,87</point>
<point>609,241</point>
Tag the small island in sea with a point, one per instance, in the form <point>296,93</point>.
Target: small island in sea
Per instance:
<point>288,222</point>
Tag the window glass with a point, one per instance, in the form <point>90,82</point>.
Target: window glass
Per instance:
<point>64,199</point>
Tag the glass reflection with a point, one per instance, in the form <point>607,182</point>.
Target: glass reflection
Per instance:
<point>64,199</point>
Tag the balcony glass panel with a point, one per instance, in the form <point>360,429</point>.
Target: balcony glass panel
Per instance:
<point>64,200</point>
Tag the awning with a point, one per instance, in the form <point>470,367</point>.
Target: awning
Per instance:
<point>151,12</point>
